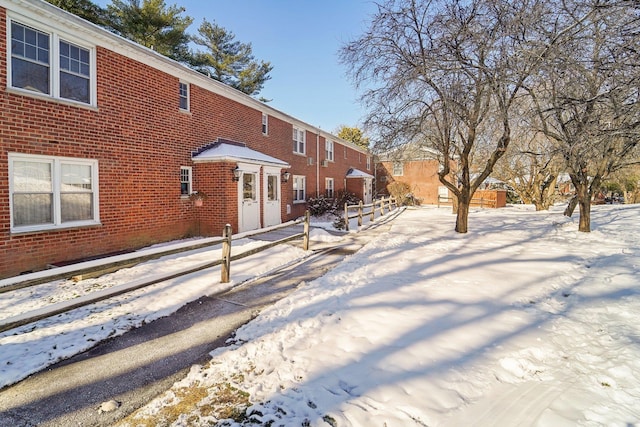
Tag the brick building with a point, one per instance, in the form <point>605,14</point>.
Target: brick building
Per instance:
<point>415,166</point>
<point>103,142</point>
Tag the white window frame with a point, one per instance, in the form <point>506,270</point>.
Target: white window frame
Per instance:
<point>345,152</point>
<point>329,149</point>
<point>368,162</point>
<point>186,96</point>
<point>299,141</point>
<point>56,181</point>
<point>299,189</point>
<point>265,124</point>
<point>186,172</point>
<point>55,37</point>
<point>329,186</point>
<point>398,169</point>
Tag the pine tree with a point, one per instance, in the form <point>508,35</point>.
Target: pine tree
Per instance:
<point>228,60</point>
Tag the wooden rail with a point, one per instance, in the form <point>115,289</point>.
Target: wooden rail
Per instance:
<point>481,202</point>
<point>368,210</point>
<point>225,275</point>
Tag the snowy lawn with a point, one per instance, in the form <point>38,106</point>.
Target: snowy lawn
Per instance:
<point>522,321</point>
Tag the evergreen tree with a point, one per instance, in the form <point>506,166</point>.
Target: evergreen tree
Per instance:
<point>228,60</point>
<point>83,8</point>
<point>353,134</point>
<point>152,24</point>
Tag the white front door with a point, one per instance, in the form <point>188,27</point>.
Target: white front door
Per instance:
<point>249,198</point>
<point>367,191</point>
<point>272,206</point>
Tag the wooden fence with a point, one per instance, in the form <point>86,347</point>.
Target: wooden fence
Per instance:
<point>225,275</point>
<point>481,202</point>
<point>369,210</point>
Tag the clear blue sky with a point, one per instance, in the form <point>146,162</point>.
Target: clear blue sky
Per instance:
<point>301,39</point>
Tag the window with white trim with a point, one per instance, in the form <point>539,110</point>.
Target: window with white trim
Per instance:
<point>185,181</point>
<point>45,63</point>
<point>328,145</point>
<point>52,192</point>
<point>298,141</point>
<point>368,162</point>
<point>398,169</point>
<point>345,152</point>
<point>183,89</point>
<point>265,124</point>
<point>299,189</point>
<point>328,185</point>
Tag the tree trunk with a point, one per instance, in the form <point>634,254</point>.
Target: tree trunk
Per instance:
<point>583,196</point>
<point>573,202</point>
<point>585,215</point>
<point>462,215</point>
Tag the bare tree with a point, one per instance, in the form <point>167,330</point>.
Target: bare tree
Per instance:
<point>531,165</point>
<point>587,95</point>
<point>447,73</point>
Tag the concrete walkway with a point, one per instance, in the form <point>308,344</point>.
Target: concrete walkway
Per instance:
<point>139,365</point>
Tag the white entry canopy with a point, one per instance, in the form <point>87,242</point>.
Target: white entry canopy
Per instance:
<point>357,173</point>
<point>230,151</point>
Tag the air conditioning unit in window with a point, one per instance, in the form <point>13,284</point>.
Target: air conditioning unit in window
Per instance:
<point>310,161</point>
<point>325,163</point>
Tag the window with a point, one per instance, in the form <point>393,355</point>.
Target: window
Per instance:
<point>328,145</point>
<point>34,69</point>
<point>298,141</point>
<point>345,152</point>
<point>185,181</point>
<point>328,183</point>
<point>398,169</point>
<point>368,163</point>
<point>265,124</point>
<point>249,186</point>
<point>299,193</point>
<point>52,192</point>
<point>272,188</point>
<point>184,96</point>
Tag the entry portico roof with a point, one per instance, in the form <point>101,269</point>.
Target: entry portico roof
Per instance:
<point>231,151</point>
<point>357,173</point>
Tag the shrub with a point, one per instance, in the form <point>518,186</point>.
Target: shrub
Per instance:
<point>401,191</point>
<point>320,205</point>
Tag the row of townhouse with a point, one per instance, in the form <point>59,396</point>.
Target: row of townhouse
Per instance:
<point>104,141</point>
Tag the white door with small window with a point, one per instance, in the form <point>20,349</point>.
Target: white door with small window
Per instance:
<point>249,197</point>
<point>272,206</point>
<point>367,191</point>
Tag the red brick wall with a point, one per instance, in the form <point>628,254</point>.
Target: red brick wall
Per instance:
<point>421,176</point>
<point>141,139</point>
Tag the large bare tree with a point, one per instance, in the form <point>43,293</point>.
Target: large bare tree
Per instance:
<point>447,73</point>
<point>587,95</point>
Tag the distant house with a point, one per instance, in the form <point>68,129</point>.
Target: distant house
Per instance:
<point>412,165</point>
<point>104,143</point>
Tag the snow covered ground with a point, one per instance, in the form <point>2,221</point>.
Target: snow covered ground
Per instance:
<point>522,321</point>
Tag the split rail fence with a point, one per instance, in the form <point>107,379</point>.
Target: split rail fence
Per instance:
<point>368,210</point>
<point>15,283</point>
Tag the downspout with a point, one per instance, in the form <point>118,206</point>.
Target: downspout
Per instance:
<point>318,162</point>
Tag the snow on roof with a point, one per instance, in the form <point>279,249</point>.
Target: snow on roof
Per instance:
<point>356,173</point>
<point>231,151</point>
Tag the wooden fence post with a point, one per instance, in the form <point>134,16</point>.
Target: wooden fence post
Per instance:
<point>346,217</point>
<point>305,239</point>
<point>360,214</point>
<point>373,211</point>
<point>226,255</point>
